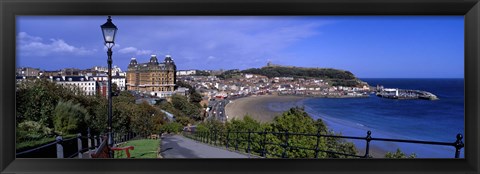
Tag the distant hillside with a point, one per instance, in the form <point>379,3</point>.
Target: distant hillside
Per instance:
<point>328,73</point>
<point>335,76</point>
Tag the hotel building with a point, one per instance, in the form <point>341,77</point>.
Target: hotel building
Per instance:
<point>154,78</point>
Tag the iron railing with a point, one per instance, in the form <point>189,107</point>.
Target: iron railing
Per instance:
<point>74,147</point>
<point>234,138</point>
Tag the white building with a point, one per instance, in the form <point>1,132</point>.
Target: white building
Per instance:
<point>391,91</point>
<point>84,83</point>
<point>115,70</point>
<point>119,80</point>
<point>248,76</point>
<point>186,72</point>
<point>160,94</point>
<point>182,91</point>
<point>100,78</point>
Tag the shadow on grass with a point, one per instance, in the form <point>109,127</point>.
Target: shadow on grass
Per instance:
<point>145,154</point>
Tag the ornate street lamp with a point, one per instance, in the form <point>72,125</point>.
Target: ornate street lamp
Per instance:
<point>109,30</point>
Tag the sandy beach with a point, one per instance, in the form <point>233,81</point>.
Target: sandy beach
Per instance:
<point>266,108</point>
<point>261,108</point>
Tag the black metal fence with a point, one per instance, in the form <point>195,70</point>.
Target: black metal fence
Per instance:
<point>74,147</point>
<point>244,140</point>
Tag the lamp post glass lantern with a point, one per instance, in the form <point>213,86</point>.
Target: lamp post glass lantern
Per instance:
<point>109,30</point>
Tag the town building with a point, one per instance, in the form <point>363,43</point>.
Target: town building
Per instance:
<point>119,80</point>
<point>153,77</point>
<point>21,79</point>
<point>116,71</point>
<point>186,72</point>
<point>84,83</point>
<point>45,73</point>
<point>102,88</point>
<point>27,71</point>
<point>71,72</point>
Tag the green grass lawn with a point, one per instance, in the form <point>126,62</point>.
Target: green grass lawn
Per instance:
<point>145,148</point>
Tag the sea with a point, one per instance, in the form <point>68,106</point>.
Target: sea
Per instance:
<point>427,120</point>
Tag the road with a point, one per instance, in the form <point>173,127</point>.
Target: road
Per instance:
<point>218,110</point>
<point>177,146</point>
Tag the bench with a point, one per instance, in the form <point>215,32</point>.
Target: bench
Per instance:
<point>103,151</point>
<point>153,136</point>
<point>126,149</point>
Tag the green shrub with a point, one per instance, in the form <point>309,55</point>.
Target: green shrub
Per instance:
<point>399,154</point>
<point>172,127</point>
<point>67,116</point>
<point>295,120</point>
<point>31,130</point>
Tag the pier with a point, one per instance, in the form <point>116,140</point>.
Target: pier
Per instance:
<point>393,93</point>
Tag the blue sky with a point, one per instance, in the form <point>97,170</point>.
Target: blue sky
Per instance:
<point>368,46</point>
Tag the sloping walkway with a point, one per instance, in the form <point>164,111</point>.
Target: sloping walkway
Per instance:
<point>177,146</point>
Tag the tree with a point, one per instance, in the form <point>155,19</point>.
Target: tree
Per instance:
<point>158,121</point>
<point>246,124</point>
<point>168,106</point>
<point>39,111</point>
<point>229,74</point>
<point>124,96</point>
<point>36,100</point>
<point>67,117</point>
<point>142,118</point>
<point>195,97</point>
<point>121,116</point>
<point>97,117</point>
<point>295,120</point>
<point>399,154</point>
<point>298,121</point>
<point>202,73</point>
<point>188,109</point>
<point>31,130</point>
<point>122,111</point>
<point>115,89</point>
<point>183,120</point>
<point>172,127</point>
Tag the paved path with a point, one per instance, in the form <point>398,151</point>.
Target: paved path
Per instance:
<point>177,146</point>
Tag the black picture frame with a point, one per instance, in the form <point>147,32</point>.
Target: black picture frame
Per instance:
<point>11,8</point>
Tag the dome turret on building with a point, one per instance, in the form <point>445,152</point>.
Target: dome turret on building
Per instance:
<point>153,59</point>
<point>169,63</point>
<point>133,62</point>
<point>168,59</point>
